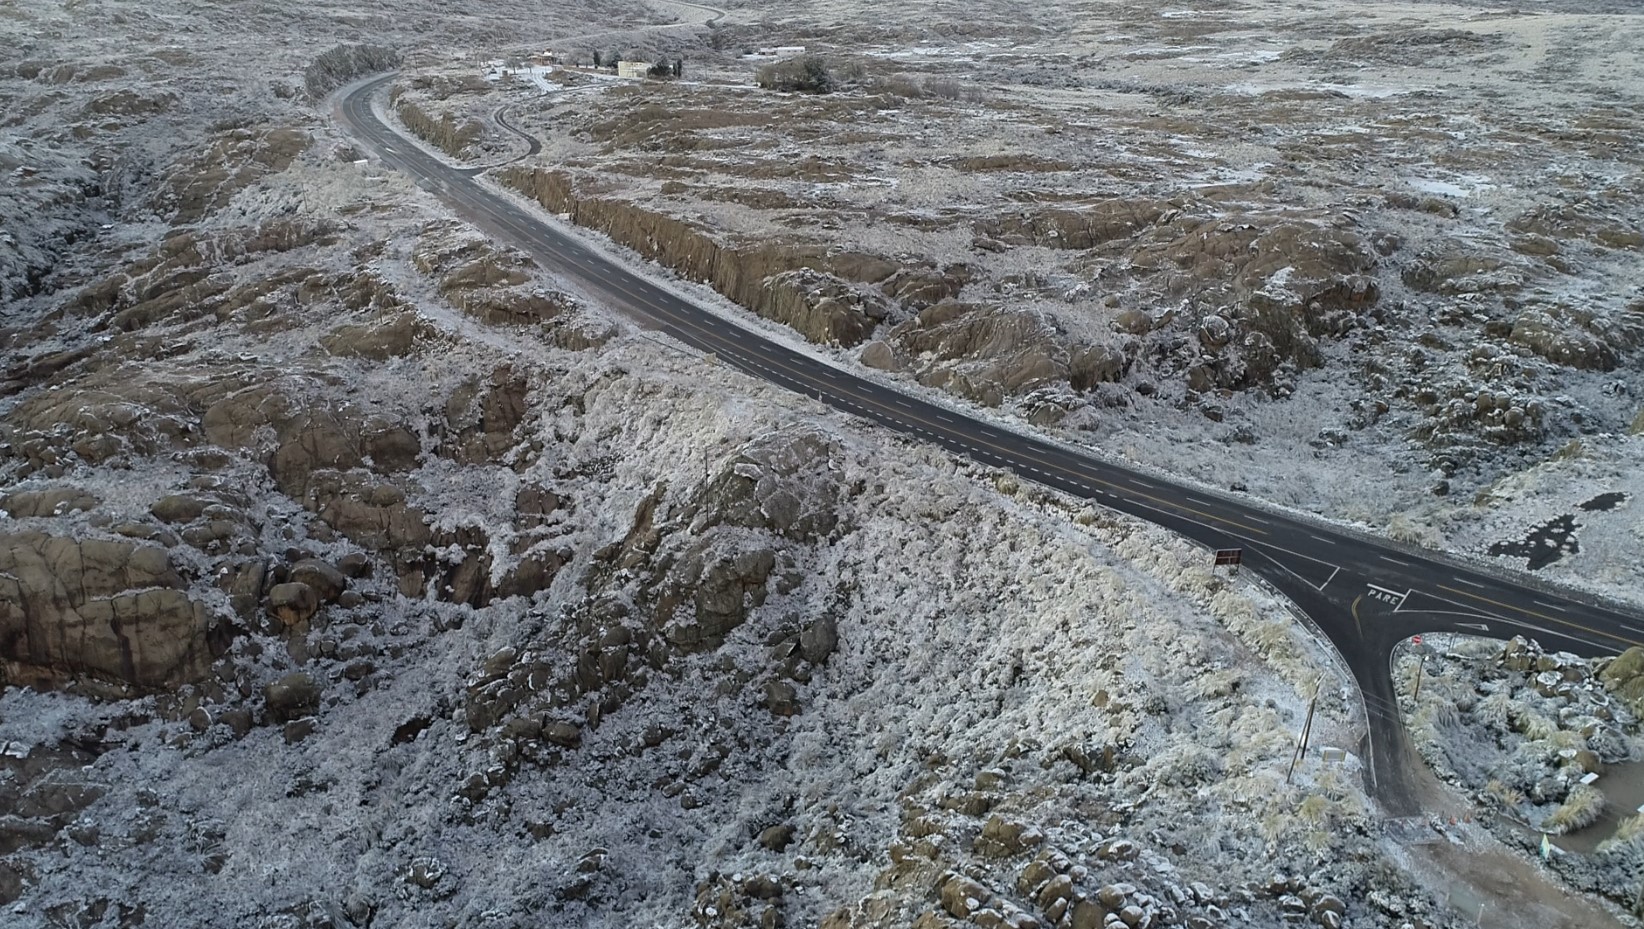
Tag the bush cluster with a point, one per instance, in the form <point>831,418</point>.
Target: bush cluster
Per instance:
<point>806,74</point>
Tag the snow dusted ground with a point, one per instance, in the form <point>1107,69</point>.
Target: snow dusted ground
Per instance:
<point>1488,213</point>
<point>675,648</point>
<point>1547,744</point>
<point>975,648</point>
<point>1009,642</point>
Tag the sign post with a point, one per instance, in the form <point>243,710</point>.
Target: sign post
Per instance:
<point>1420,666</point>
<point>1231,557</point>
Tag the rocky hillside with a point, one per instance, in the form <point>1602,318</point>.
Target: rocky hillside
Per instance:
<point>348,549</point>
<point>433,619</point>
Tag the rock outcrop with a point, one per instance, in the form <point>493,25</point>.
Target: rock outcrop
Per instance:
<point>1078,228</point>
<point>1576,338</point>
<point>781,483</point>
<point>114,611</point>
<point>234,161</point>
<point>982,353</point>
<point>445,132</point>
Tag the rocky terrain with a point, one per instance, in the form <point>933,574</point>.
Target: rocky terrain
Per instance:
<point>357,571</point>
<point>1546,743</point>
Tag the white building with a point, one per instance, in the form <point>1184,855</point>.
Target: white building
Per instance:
<point>633,68</point>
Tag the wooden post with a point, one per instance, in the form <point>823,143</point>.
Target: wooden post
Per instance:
<point>1307,729</point>
<point>1419,668</point>
<point>1306,733</point>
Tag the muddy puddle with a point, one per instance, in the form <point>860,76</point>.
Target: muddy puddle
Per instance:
<point>1623,787</point>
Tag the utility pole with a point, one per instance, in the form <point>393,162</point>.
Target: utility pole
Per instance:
<point>1306,733</point>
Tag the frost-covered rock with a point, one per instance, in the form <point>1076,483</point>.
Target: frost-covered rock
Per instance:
<point>1624,677</point>
<point>116,611</point>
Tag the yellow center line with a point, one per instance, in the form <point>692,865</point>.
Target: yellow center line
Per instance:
<point>1355,608</point>
<point>1179,506</point>
<point>1540,615</point>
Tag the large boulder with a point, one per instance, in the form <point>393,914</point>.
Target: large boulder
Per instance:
<point>114,611</point>
<point>291,697</point>
<point>47,502</point>
<point>880,356</point>
<point>1096,364</point>
<point>327,582</point>
<point>293,604</point>
<point>785,482</point>
<point>1624,677</point>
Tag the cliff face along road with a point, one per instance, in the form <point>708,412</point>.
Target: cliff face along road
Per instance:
<point>1366,594</point>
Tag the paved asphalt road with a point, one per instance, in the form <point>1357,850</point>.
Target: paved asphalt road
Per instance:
<point>1366,594</point>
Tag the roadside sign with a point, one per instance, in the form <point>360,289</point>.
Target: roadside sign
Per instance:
<point>1229,556</point>
<point>1415,640</point>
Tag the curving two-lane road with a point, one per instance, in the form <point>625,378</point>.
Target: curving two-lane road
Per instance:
<point>1365,593</point>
